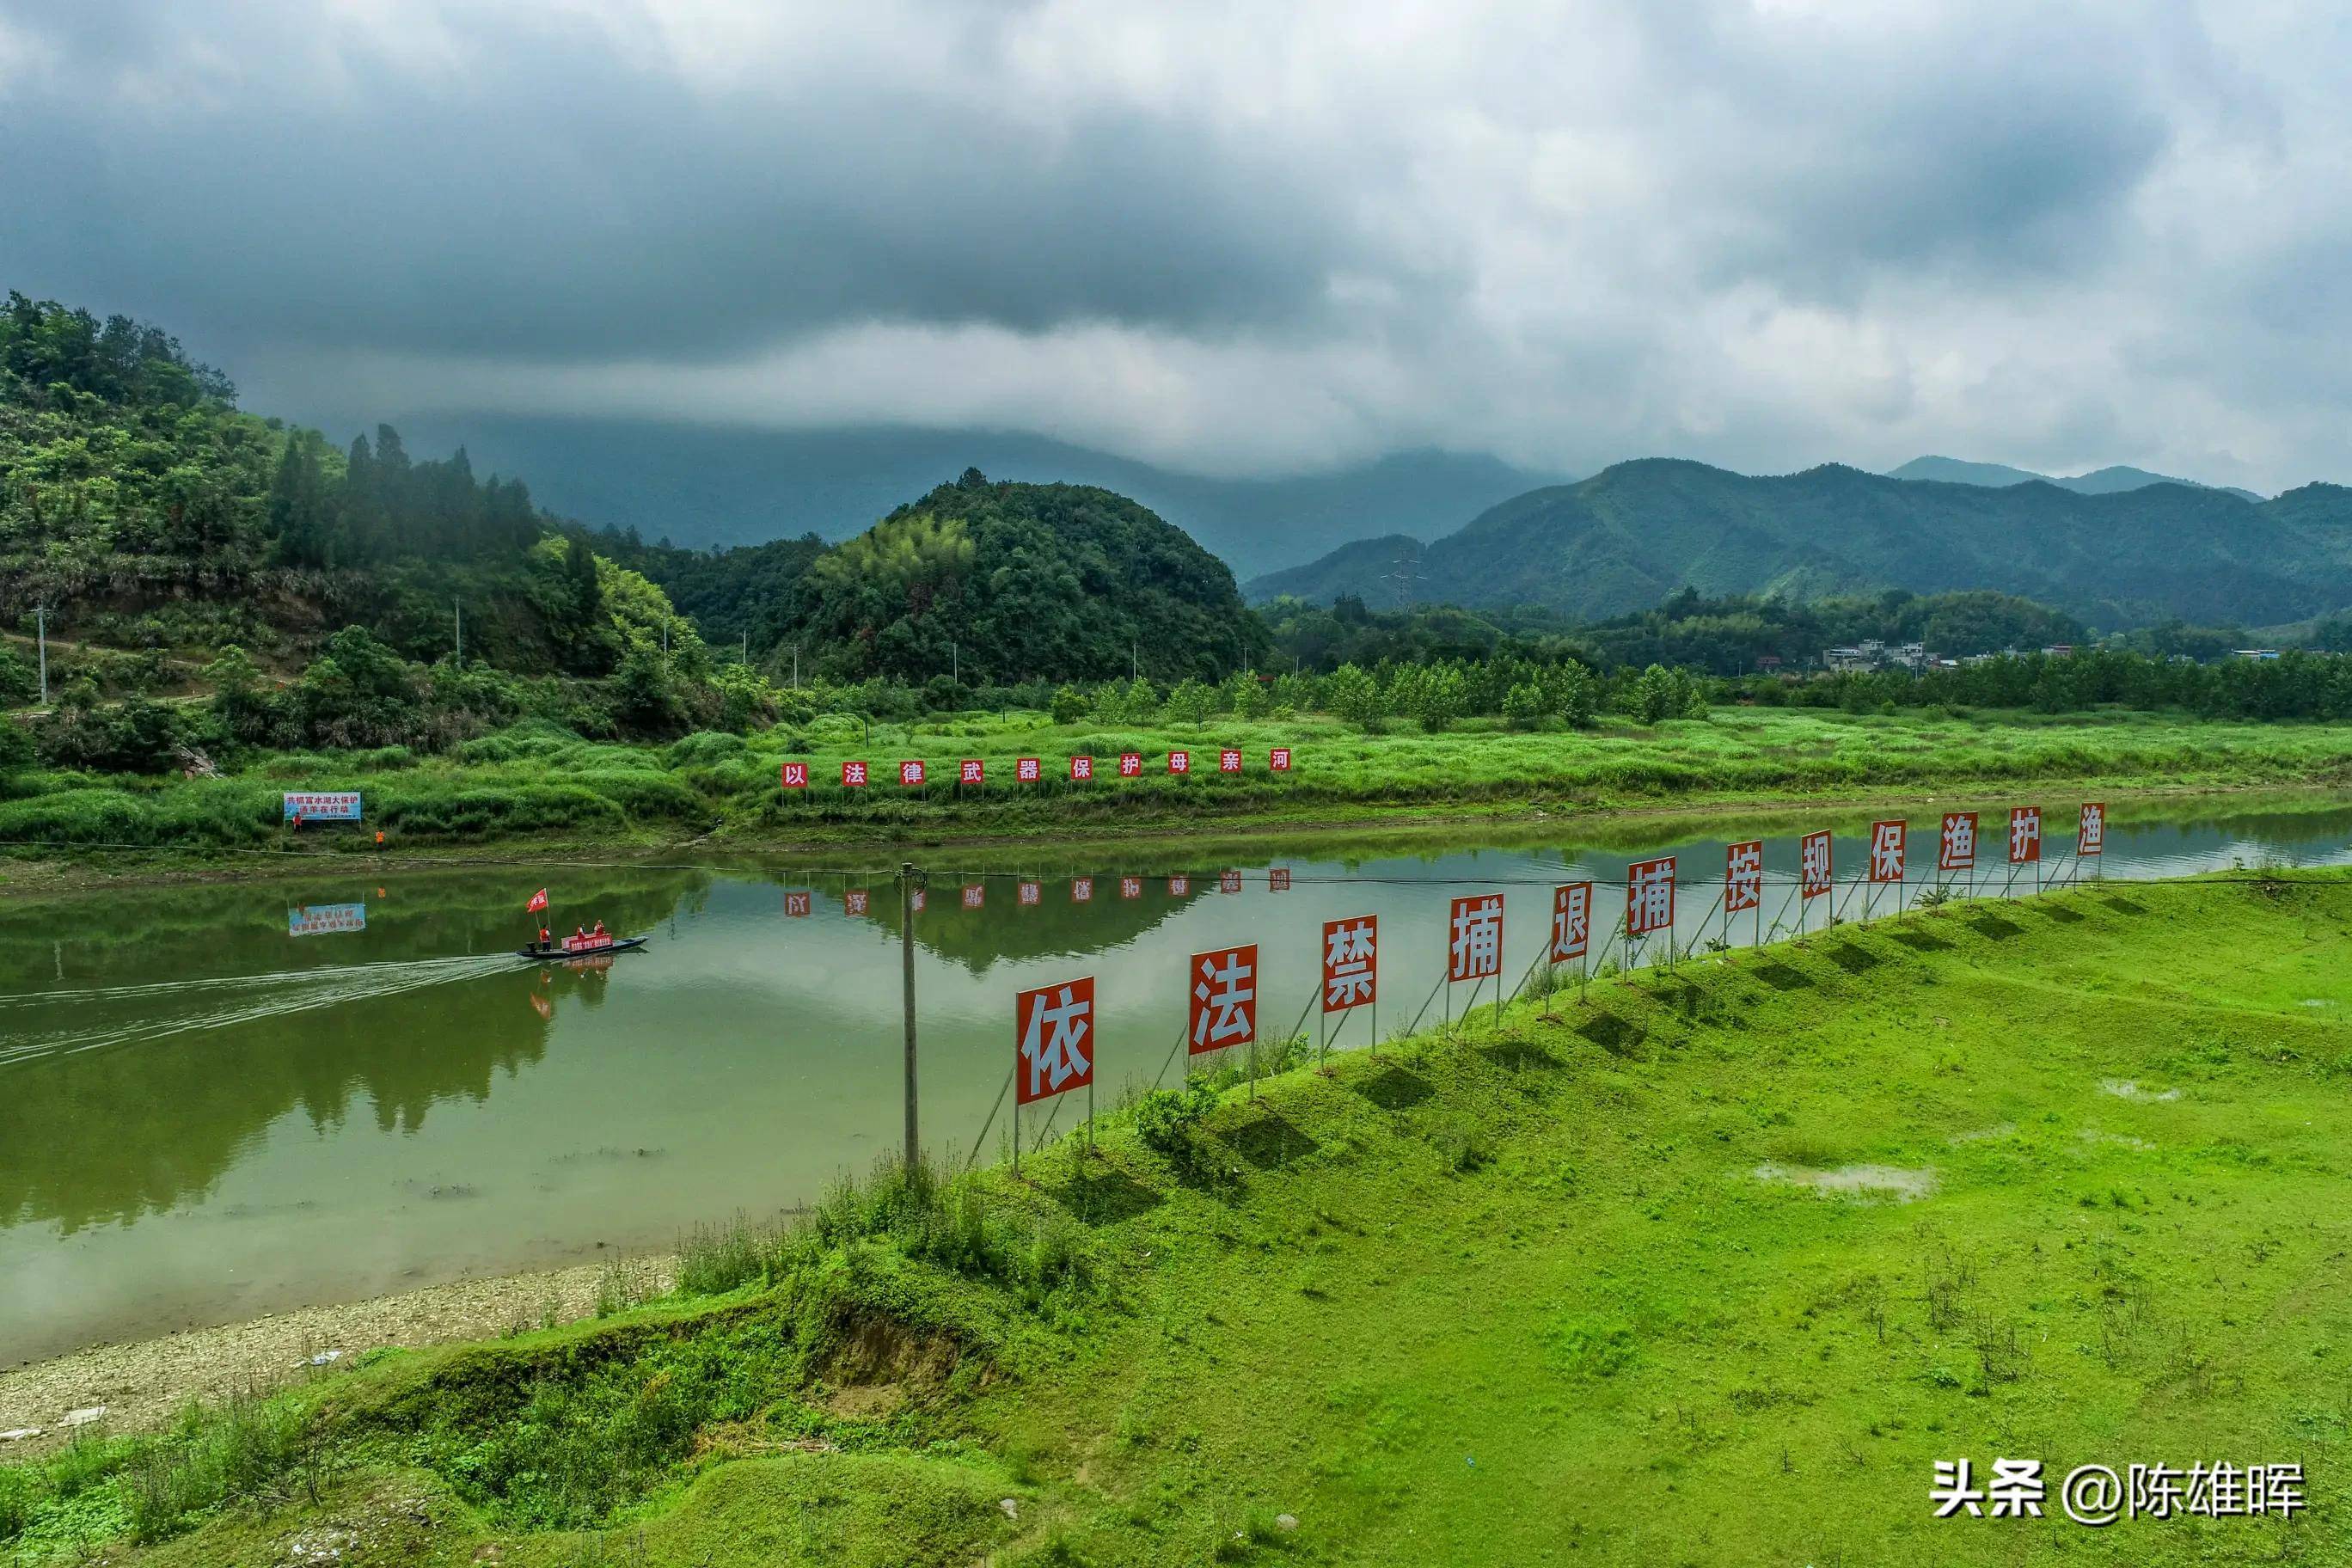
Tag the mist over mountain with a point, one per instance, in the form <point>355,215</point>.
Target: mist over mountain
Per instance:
<point>2110,481</point>
<point>1637,531</point>
<point>702,486</point>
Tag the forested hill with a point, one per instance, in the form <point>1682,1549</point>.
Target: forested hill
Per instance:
<point>146,510</point>
<point>995,581</point>
<point>1636,533</point>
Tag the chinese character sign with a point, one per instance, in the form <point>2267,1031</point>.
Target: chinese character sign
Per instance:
<point>1571,920</point>
<point>910,774</point>
<point>1082,889</point>
<point>1225,998</point>
<point>1030,892</point>
<point>322,805</point>
<point>972,771</point>
<point>1278,760</point>
<point>853,901</point>
<point>1131,887</point>
<point>796,905</point>
<point>1081,769</point>
<point>1229,881</point>
<point>1179,761</point>
<point>1351,976</point>
<point>1180,887</point>
<point>2024,835</point>
<point>1813,863</point>
<point>853,775</point>
<point>1277,880</point>
<point>1028,770</point>
<point>1054,1029</point>
<point>1476,949</point>
<point>1956,848</point>
<point>1229,762</point>
<point>2093,837</point>
<point>974,894</point>
<point>1650,896</point>
<point>796,776</point>
<point>1743,877</point>
<point>1887,841</point>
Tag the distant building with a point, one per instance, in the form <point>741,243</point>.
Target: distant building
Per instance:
<point>2060,650</point>
<point>2254,653</point>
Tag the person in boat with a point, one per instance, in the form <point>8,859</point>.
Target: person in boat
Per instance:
<point>599,933</point>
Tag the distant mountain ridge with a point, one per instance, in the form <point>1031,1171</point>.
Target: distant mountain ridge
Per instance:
<point>1638,532</point>
<point>702,486</point>
<point>2109,480</point>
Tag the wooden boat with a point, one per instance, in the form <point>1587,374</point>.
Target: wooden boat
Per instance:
<point>558,952</point>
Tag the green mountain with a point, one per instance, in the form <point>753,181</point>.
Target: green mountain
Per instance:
<point>997,582</point>
<point>1636,533</point>
<point>2097,482</point>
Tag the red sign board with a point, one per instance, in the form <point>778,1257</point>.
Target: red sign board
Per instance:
<point>853,901</point>
<point>972,771</point>
<point>796,776</point>
<point>910,774</point>
<point>2024,835</point>
<point>974,895</point>
<point>1571,920</point>
<point>1229,881</point>
<point>1229,762</point>
<point>2092,839</point>
<point>1888,842</point>
<point>1028,770</point>
<point>853,775</point>
<point>1956,846</point>
<point>1130,764</point>
<point>1031,891</point>
<point>1131,887</point>
<point>1082,889</point>
<point>1743,877</point>
<point>1351,962</point>
<point>1180,887</point>
<point>918,900</point>
<point>1278,760</point>
<point>1475,949</point>
<point>1225,998</point>
<point>1277,880</point>
<point>1814,863</point>
<point>796,905</point>
<point>1179,761</point>
<point>1081,769</point>
<point>1053,1039</point>
<point>1650,896</point>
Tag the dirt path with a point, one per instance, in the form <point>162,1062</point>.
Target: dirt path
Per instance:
<point>138,1386</point>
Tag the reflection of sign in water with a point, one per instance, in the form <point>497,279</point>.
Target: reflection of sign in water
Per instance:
<point>322,806</point>
<point>318,920</point>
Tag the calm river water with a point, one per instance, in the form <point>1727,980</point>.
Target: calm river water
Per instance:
<point>225,1100</point>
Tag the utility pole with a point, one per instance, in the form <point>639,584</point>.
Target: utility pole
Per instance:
<point>955,661</point>
<point>41,637</point>
<point>907,879</point>
<point>796,667</point>
<point>665,637</point>
<point>458,606</point>
<point>1134,662</point>
<point>747,648</point>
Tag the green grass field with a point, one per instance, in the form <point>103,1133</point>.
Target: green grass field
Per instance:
<point>1707,1269</point>
<point>551,784</point>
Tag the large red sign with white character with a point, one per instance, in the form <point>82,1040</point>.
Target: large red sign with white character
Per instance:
<point>1351,962</point>
<point>1223,999</point>
<point>1474,950</point>
<point>1053,1039</point>
<point>1650,896</point>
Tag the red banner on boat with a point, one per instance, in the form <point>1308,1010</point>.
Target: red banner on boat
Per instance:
<point>1225,998</point>
<point>1475,949</point>
<point>1351,962</point>
<point>1053,1039</point>
<point>538,902</point>
<point>1889,841</point>
<point>1650,896</point>
<point>1956,846</point>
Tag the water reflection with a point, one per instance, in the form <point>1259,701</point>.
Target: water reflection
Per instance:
<point>202,1115</point>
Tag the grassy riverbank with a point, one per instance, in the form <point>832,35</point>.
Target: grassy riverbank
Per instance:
<point>540,783</point>
<point>1709,1269</point>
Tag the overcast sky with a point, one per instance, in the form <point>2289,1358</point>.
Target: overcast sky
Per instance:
<point>1234,239</point>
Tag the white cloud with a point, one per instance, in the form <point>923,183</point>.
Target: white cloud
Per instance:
<point>1235,238</point>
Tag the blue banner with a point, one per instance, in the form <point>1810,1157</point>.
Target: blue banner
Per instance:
<point>322,806</point>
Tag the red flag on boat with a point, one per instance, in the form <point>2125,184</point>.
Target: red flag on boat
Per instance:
<point>538,902</point>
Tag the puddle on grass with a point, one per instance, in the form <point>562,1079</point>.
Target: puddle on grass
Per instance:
<point>2115,1139</point>
<point>1874,1181</point>
<point>2127,1088</point>
<point>2317,1002</point>
<point>1985,1134</point>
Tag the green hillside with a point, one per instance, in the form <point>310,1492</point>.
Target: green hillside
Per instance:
<point>2097,482</point>
<point>1638,531</point>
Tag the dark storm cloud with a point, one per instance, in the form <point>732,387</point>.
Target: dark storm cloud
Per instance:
<point>1226,237</point>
